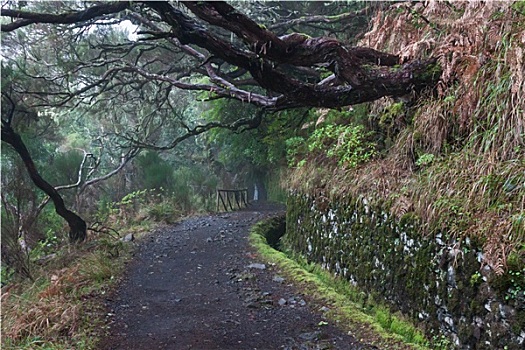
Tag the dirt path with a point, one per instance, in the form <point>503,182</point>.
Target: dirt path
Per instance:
<point>198,285</point>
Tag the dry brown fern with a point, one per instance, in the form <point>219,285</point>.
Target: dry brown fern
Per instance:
<point>401,206</point>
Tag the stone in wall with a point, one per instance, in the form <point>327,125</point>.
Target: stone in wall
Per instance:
<point>437,281</point>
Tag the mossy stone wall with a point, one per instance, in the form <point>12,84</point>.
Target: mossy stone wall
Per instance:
<point>437,281</point>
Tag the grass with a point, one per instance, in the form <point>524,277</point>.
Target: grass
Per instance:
<point>62,308</point>
<point>350,308</point>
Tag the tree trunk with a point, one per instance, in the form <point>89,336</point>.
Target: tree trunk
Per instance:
<point>77,226</point>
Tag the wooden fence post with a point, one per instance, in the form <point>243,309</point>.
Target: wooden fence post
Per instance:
<point>240,196</point>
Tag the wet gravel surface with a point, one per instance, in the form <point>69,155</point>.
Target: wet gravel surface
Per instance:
<point>198,285</point>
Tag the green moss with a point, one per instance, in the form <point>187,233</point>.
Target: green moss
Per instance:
<point>510,285</point>
<point>388,257</point>
<point>391,113</point>
<point>363,316</point>
<point>475,279</point>
<point>408,219</point>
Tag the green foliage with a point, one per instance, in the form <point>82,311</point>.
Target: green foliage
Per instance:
<point>449,99</point>
<point>475,279</point>
<point>515,279</point>
<point>384,317</point>
<point>104,209</point>
<point>156,172</point>
<point>517,292</point>
<point>295,147</point>
<point>357,114</point>
<point>519,7</point>
<point>260,149</point>
<point>187,186</point>
<point>441,343</point>
<point>133,197</point>
<point>164,211</point>
<point>238,150</point>
<point>64,167</point>
<point>47,246</point>
<point>194,187</point>
<point>6,273</point>
<point>425,159</point>
<point>391,113</point>
<point>347,144</point>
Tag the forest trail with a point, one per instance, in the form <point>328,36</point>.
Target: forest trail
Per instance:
<point>199,285</point>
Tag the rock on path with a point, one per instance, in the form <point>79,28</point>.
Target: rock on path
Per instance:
<point>198,285</point>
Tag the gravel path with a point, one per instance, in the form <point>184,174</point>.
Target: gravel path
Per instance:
<point>198,285</point>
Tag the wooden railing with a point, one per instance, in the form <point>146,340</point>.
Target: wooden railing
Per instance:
<point>230,198</point>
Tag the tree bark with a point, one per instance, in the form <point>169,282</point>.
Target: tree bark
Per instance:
<point>77,226</point>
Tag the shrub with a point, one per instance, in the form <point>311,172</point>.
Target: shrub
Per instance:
<point>348,144</point>
<point>295,147</point>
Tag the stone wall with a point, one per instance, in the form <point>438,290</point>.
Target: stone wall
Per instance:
<point>437,281</point>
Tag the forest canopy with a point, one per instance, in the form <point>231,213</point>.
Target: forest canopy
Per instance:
<point>121,67</point>
<point>213,47</point>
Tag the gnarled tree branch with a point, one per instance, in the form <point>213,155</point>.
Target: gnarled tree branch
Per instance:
<point>360,74</point>
<point>239,125</point>
<point>359,69</point>
<point>77,226</point>
<point>25,18</point>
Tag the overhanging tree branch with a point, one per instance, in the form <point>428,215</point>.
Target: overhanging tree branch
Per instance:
<point>24,18</point>
<point>275,62</point>
<point>239,125</point>
<point>359,69</point>
<point>227,90</point>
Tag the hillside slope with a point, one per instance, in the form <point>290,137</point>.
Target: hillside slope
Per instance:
<point>420,201</point>
<point>455,157</point>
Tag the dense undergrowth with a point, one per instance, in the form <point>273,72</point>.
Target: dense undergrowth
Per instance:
<point>454,157</point>
<point>61,307</point>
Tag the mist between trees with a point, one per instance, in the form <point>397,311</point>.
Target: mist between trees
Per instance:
<point>110,121</point>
